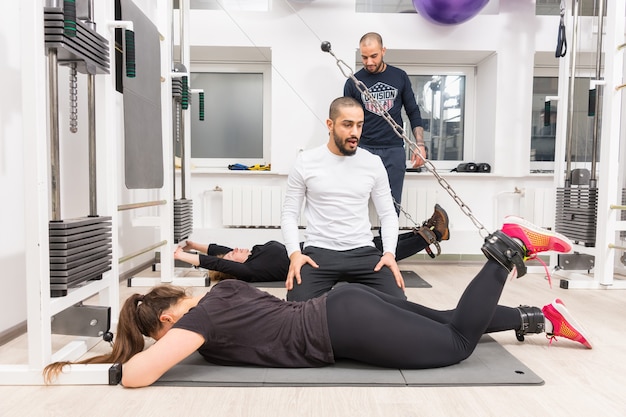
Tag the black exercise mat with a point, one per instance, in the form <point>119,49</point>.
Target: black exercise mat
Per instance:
<point>411,280</point>
<point>490,364</point>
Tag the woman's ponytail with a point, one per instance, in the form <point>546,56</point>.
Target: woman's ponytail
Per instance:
<point>139,317</point>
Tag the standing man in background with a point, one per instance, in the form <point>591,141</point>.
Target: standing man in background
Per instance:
<point>391,87</point>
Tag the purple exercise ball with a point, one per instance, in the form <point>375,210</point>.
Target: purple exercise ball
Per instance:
<point>449,12</point>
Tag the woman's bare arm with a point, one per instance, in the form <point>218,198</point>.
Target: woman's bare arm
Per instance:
<point>190,258</point>
<point>146,367</point>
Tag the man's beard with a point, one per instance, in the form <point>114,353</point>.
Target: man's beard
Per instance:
<point>377,69</point>
<point>341,145</point>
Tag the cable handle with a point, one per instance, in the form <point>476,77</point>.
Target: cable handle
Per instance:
<point>201,101</point>
<point>200,93</point>
<point>69,18</point>
<point>129,37</point>
<point>185,94</point>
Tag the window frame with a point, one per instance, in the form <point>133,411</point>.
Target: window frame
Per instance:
<point>553,72</point>
<point>469,72</point>
<point>238,68</point>
<point>544,166</point>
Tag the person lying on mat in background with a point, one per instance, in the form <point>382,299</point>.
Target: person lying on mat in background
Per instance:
<point>269,262</point>
<point>235,323</point>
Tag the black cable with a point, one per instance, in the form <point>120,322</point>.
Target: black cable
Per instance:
<point>561,43</point>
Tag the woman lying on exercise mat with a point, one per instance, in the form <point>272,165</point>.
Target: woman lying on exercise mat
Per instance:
<point>238,324</point>
<point>269,262</point>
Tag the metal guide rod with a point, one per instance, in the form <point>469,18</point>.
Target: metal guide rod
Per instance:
<point>175,103</point>
<point>183,170</point>
<point>181,25</point>
<point>142,251</point>
<point>180,117</point>
<point>614,207</point>
<point>570,103</point>
<point>176,140</point>
<point>90,11</point>
<point>181,36</point>
<point>93,190</point>
<point>133,206</point>
<point>91,105</point>
<point>347,72</point>
<point>599,92</point>
<point>172,39</point>
<point>55,174</point>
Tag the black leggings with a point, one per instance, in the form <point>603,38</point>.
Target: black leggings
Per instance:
<point>375,328</point>
<point>409,244</point>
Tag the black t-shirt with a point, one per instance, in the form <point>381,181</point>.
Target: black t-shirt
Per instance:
<point>266,263</point>
<point>392,90</point>
<point>244,325</point>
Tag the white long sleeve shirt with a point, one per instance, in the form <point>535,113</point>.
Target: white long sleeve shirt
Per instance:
<point>336,191</point>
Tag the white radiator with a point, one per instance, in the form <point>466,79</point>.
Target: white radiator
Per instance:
<point>260,207</point>
<point>247,206</point>
<point>537,205</point>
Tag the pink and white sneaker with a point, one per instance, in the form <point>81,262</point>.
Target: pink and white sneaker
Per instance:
<point>563,323</point>
<point>535,239</point>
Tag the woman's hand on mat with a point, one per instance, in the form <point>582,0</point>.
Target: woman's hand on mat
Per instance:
<point>149,365</point>
<point>389,260</point>
<point>297,260</point>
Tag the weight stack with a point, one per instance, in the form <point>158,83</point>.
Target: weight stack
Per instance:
<point>576,214</point>
<point>183,219</point>
<point>80,250</point>
<point>87,48</point>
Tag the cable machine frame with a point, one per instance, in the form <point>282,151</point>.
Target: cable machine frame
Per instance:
<point>41,307</point>
<point>609,208</point>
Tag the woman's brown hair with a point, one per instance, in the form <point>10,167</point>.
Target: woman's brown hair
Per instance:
<point>139,317</point>
<point>220,276</point>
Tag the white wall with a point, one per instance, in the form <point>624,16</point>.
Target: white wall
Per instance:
<point>12,256</point>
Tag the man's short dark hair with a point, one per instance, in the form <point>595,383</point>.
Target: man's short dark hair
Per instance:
<point>339,103</point>
<point>372,36</point>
